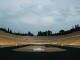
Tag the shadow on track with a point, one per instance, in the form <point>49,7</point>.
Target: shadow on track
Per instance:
<point>71,53</point>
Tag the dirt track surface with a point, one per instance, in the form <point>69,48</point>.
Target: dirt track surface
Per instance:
<point>39,49</point>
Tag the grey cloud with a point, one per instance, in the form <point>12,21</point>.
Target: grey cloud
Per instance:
<point>36,15</point>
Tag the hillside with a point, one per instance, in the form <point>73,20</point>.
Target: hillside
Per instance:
<point>69,39</point>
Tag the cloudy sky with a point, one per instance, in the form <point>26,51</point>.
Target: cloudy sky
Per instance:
<point>36,15</point>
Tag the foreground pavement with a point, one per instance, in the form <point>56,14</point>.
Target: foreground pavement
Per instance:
<point>69,53</point>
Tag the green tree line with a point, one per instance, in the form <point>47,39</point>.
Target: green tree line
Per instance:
<point>46,33</point>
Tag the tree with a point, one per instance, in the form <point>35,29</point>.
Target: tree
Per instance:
<point>45,33</point>
<point>30,34</point>
<point>49,33</point>
<point>72,30</point>
<point>77,28</point>
<point>8,30</point>
<point>61,32</point>
<point>39,33</point>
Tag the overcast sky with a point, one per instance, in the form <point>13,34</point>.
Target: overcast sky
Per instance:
<point>36,15</point>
